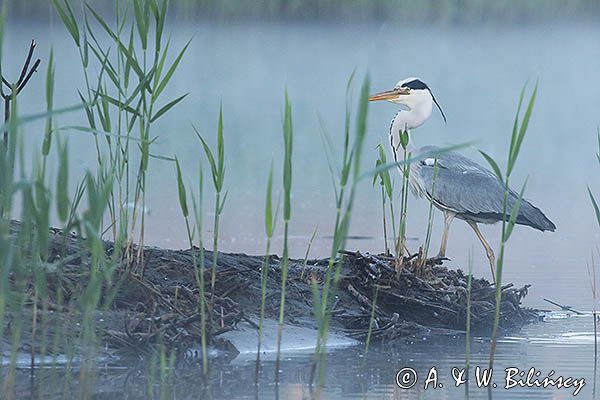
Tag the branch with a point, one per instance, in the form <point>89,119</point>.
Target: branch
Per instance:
<point>4,82</point>
<point>33,69</point>
<point>27,61</point>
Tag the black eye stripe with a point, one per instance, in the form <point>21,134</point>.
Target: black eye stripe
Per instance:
<point>415,84</point>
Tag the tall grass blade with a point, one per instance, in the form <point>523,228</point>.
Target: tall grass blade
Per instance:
<point>62,184</point>
<point>287,210</point>
<point>68,18</point>
<point>49,104</point>
<point>595,205</point>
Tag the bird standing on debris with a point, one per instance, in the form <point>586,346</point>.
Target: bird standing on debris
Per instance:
<point>463,189</point>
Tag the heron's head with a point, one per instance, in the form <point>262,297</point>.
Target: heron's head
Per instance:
<point>412,93</point>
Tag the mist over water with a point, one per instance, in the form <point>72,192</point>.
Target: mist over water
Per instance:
<point>476,74</point>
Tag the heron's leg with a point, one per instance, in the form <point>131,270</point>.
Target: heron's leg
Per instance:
<point>448,217</point>
<point>488,249</point>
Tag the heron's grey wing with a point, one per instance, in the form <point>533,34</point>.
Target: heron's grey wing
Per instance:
<point>462,185</point>
<point>472,191</point>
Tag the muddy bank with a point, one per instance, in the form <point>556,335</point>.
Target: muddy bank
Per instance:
<point>155,301</point>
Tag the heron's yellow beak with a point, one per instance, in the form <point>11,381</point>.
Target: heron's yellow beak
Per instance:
<point>389,94</point>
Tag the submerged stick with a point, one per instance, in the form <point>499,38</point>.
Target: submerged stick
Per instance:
<point>563,307</point>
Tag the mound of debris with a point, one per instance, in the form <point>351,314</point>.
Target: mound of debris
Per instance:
<point>153,299</point>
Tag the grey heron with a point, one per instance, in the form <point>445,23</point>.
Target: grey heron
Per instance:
<point>463,189</point>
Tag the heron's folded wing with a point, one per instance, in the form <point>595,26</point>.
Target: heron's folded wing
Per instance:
<point>467,188</point>
<point>464,187</point>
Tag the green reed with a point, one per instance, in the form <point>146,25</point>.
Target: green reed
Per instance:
<point>197,264</point>
<point>126,97</point>
<point>387,195</point>
<point>288,139</point>
<point>509,216</point>
<point>270,219</point>
<point>217,169</point>
<point>430,214</point>
<point>122,96</point>
<point>592,272</point>
<point>345,190</point>
<point>197,204</point>
<point>400,245</point>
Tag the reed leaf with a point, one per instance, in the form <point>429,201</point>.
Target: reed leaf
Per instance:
<point>287,161</point>
<point>425,154</point>
<point>142,20</point>
<point>514,133</point>
<point>165,80</point>
<point>181,191</point>
<point>492,164</point>
<point>385,175</point>
<point>68,18</point>
<point>49,104</point>
<point>62,184</point>
<point>167,107</point>
<point>20,121</point>
<point>269,223</point>
<point>211,158</point>
<point>514,150</point>
<point>594,204</point>
<point>361,126</point>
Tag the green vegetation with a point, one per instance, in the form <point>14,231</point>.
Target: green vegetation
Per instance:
<point>270,220</point>
<point>198,264</point>
<point>387,195</point>
<point>405,168</point>
<point>510,216</point>
<point>430,214</point>
<point>592,270</point>
<point>121,101</point>
<point>344,189</point>
<point>288,137</point>
<point>217,168</point>
<point>126,69</point>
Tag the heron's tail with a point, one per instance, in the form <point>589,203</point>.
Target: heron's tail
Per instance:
<point>532,216</point>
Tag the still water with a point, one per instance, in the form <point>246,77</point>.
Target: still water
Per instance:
<point>476,74</point>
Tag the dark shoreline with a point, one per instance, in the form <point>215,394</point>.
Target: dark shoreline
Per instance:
<point>404,12</point>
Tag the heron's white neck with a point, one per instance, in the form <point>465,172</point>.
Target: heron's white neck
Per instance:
<point>419,110</point>
<point>419,106</point>
<point>406,120</point>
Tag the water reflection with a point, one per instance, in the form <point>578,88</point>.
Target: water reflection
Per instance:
<point>351,374</point>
